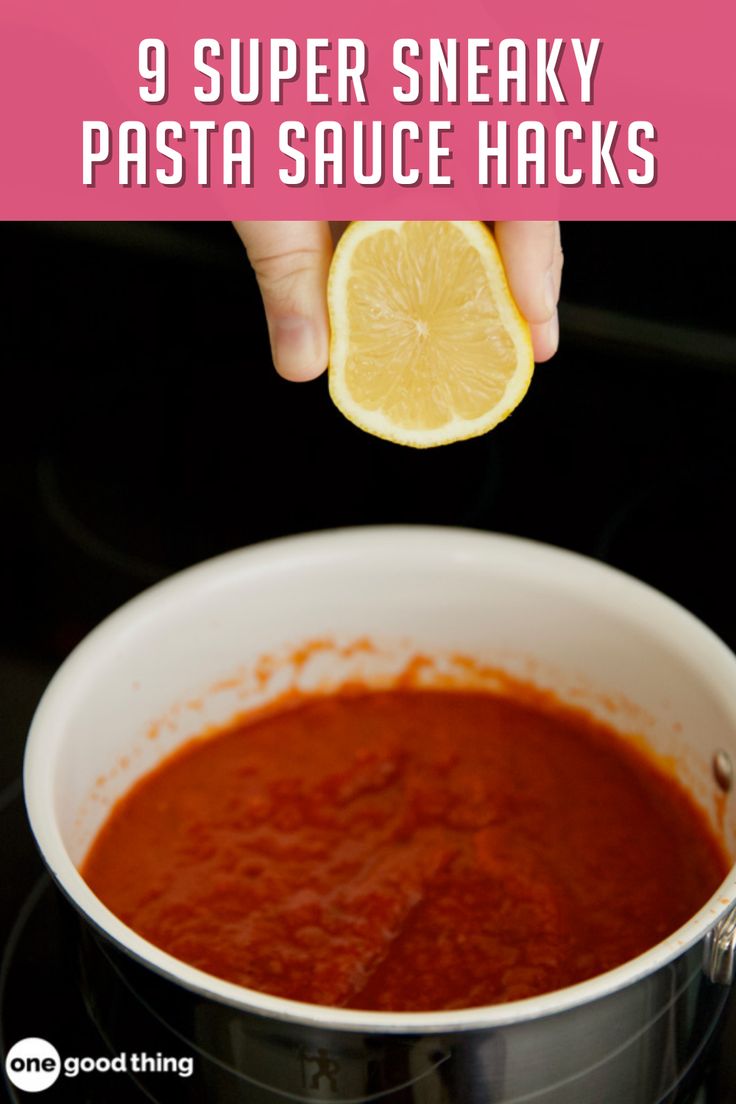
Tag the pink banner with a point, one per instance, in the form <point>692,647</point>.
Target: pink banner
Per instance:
<point>174,110</point>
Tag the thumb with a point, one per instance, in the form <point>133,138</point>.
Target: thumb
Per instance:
<point>291,261</point>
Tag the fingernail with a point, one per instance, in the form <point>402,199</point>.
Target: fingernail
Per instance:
<point>553,331</point>
<point>294,346</point>
<point>550,291</point>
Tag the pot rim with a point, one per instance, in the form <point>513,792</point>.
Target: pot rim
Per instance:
<point>581,571</point>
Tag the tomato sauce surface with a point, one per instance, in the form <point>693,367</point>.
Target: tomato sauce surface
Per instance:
<point>407,850</point>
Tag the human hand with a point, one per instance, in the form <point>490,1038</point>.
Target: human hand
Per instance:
<point>291,261</point>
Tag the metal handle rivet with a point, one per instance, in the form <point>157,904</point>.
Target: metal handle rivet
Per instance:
<point>723,770</point>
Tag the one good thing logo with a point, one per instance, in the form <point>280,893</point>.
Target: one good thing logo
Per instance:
<point>34,1064</point>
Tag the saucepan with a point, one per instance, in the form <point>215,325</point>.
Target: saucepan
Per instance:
<point>312,611</point>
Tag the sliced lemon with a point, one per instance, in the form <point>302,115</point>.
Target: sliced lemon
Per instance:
<point>427,344</point>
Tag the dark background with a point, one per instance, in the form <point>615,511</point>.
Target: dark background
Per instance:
<point>144,429</point>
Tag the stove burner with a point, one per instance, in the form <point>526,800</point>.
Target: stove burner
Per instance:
<point>40,996</point>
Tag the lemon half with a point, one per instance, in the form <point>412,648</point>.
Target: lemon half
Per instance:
<point>427,344</point>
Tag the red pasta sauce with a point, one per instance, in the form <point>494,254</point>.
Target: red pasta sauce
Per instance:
<point>407,850</point>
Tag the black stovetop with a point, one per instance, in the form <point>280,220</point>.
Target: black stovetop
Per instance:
<point>149,431</point>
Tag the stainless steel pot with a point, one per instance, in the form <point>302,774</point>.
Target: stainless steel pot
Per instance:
<point>227,635</point>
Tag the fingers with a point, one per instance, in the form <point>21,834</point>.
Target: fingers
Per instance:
<point>532,257</point>
<point>291,261</point>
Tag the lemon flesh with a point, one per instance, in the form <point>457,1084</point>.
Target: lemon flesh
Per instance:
<point>427,343</point>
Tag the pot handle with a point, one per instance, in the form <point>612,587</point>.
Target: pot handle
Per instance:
<point>719,955</point>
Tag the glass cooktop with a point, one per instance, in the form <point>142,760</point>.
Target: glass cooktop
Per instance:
<point>166,437</point>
